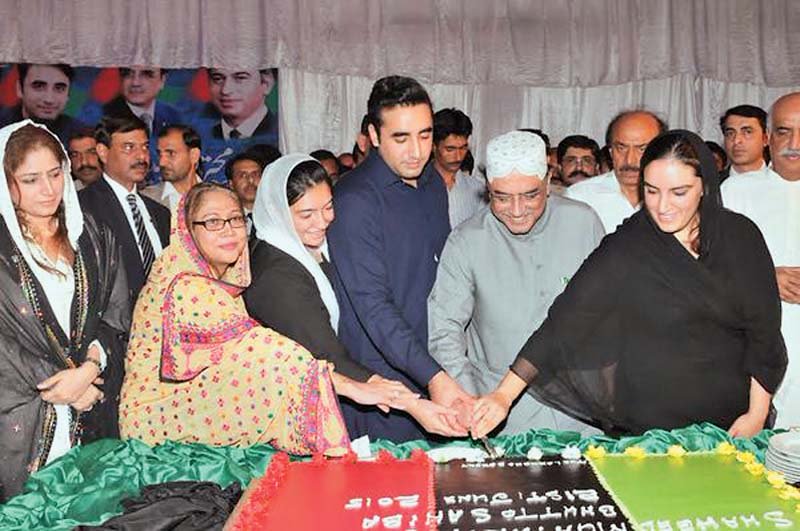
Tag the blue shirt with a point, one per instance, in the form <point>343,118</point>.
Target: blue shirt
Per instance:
<point>386,242</point>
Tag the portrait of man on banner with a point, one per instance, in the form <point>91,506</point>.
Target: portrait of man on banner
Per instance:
<point>232,109</point>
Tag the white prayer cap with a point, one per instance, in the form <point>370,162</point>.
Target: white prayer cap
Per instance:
<point>517,150</point>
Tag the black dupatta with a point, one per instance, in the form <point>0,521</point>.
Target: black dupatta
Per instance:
<point>34,347</point>
<point>646,336</point>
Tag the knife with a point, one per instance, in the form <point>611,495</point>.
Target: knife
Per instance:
<point>488,447</point>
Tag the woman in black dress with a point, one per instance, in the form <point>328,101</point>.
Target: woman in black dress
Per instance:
<point>674,319</point>
<point>291,289</point>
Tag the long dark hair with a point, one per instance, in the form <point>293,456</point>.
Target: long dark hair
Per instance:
<point>305,175</point>
<point>22,142</point>
<point>688,148</point>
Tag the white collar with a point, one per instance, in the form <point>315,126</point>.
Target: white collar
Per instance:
<point>246,128</point>
<point>732,171</point>
<point>139,111</point>
<point>169,190</point>
<point>771,173</point>
<point>120,191</point>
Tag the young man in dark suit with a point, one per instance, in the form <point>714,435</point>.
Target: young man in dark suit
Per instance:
<point>43,91</point>
<point>140,224</point>
<point>238,96</point>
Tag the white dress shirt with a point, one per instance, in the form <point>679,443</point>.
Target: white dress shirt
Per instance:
<point>246,128</point>
<point>773,203</point>
<point>605,196</point>
<point>170,196</point>
<point>166,194</point>
<point>122,196</point>
<point>733,173</point>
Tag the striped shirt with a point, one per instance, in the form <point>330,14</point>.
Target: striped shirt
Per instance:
<point>466,197</point>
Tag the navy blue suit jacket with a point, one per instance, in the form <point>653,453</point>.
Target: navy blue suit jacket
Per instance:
<point>63,126</point>
<point>385,244</point>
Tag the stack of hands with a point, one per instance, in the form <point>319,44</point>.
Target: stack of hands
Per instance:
<point>450,411</point>
<point>453,412</point>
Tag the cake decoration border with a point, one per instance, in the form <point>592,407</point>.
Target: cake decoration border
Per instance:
<point>747,459</point>
<point>692,440</point>
<point>264,488</point>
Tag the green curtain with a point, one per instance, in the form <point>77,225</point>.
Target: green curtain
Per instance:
<point>86,485</point>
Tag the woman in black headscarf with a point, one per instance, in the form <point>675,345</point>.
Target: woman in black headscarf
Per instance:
<point>673,319</point>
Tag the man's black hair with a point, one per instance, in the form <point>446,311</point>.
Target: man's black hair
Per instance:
<point>448,122</point>
<point>577,141</point>
<point>392,91</point>
<point>746,111</point>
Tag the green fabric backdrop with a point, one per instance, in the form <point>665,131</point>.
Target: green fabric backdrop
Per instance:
<point>86,485</point>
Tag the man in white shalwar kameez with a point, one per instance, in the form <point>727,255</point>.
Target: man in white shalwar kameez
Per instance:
<point>772,200</point>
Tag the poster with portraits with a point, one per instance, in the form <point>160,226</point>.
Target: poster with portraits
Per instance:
<point>231,109</point>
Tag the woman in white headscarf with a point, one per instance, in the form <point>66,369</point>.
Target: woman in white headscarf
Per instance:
<point>291,290</point>
<point>64,314</point>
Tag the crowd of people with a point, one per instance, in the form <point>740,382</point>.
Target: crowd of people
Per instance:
<point>397,291</point>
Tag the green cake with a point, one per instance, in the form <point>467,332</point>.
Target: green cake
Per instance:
<point>700,491</point>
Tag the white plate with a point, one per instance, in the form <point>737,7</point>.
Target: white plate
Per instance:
<point>783,455</point>
<point>779,462</point>
<point>771,452</point>
<point>771,463</point>
<point>787,443</point>
<point>776,456</point>
<point>791,475</point>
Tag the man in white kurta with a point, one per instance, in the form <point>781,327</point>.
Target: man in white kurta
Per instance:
<point>615,195</point>
<point>771,198</point>
<point>501,270</point>
<point>604,195</point>
<point>744,128</point>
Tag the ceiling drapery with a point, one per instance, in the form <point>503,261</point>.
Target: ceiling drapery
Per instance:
<point>565,66</point>
<point>543,43</point>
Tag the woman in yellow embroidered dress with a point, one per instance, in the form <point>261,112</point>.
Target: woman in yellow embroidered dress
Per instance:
<point>198,369</point>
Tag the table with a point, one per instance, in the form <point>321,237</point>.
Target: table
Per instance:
<point>86,485</point>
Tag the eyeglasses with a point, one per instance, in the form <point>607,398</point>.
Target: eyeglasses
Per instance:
<point>217,224</point>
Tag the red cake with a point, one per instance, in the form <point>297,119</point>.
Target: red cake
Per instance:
<point>343,494</point>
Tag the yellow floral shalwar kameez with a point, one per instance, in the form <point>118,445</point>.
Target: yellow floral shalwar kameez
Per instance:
<point>198,369</point>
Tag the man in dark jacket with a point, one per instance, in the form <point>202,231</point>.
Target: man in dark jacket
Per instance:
<point>391,225</point>
<point>140,224</point>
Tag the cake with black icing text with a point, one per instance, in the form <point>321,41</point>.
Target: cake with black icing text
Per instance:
<point>574,491</point>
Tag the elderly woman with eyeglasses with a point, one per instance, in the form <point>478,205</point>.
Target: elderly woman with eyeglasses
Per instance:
<point>199,369</point>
